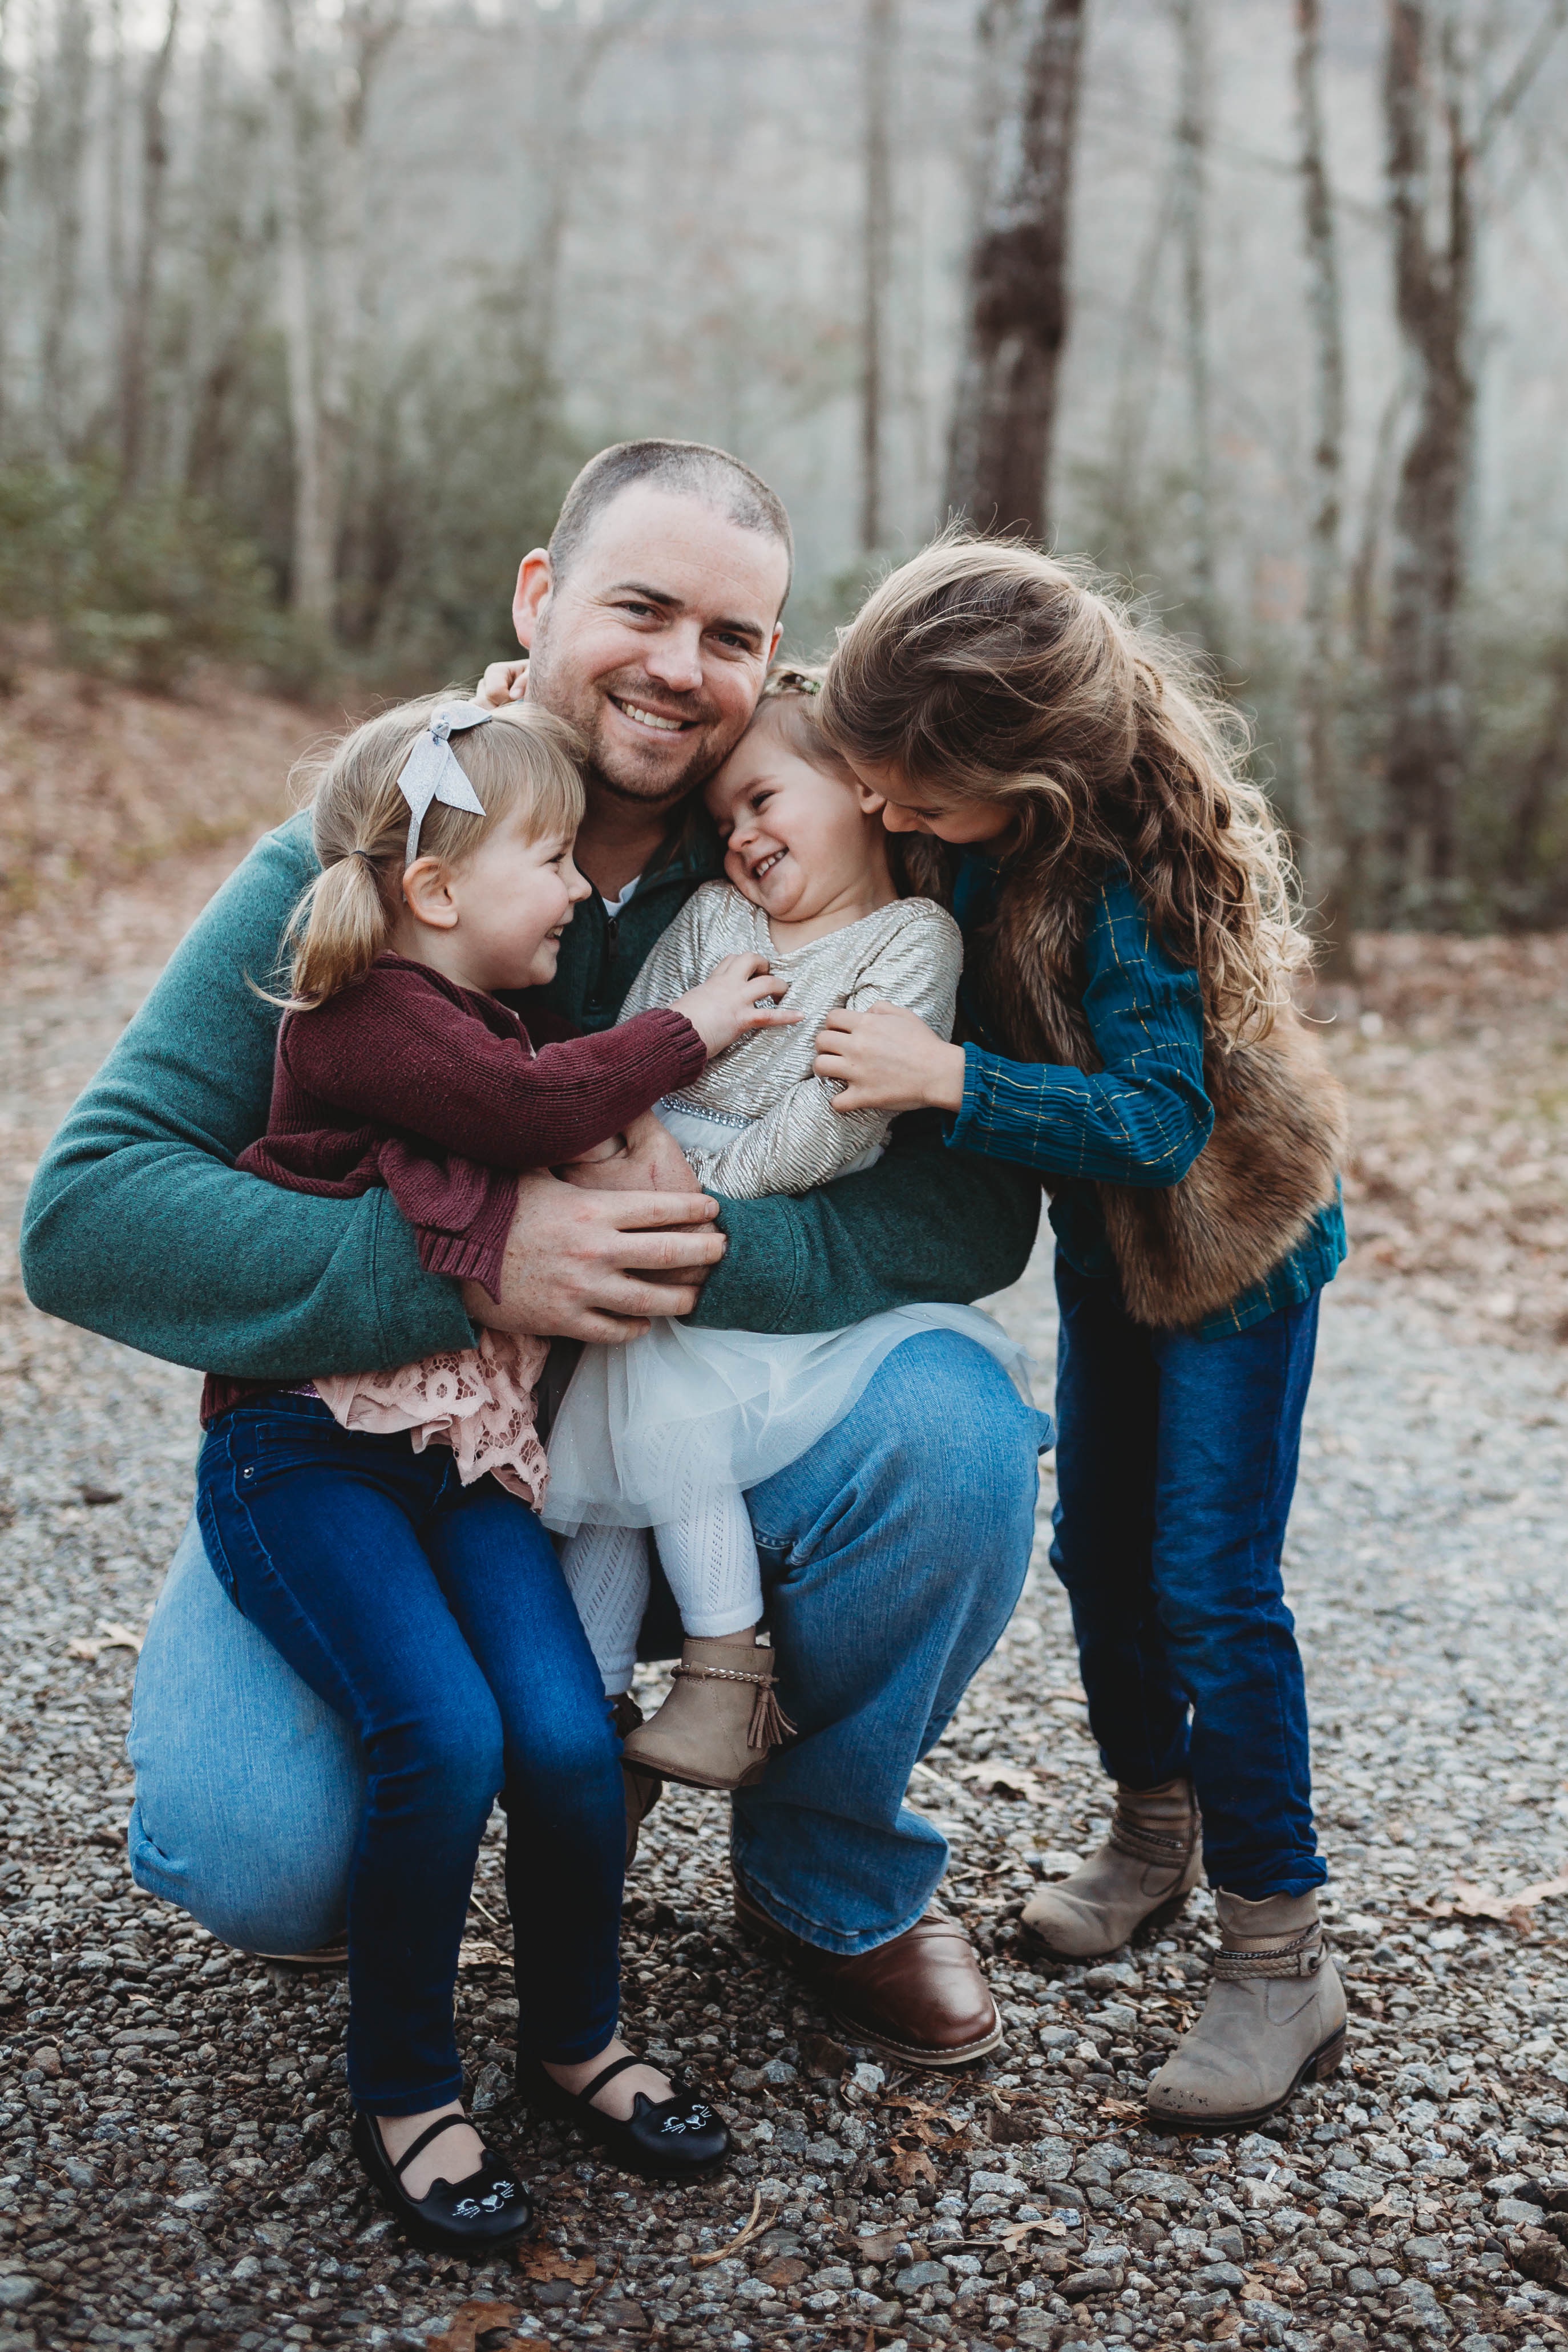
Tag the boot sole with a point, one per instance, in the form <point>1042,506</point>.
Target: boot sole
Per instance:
<point>1161,1916</point>
<point>1322,2065</point>
<point>908,2053</point>
<point>696,1779</point>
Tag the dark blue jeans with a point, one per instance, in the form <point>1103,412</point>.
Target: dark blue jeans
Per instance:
<point>434,1617</point>
<point>1175,1468</point>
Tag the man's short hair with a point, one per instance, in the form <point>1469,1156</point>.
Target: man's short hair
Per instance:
<point>688,469</point>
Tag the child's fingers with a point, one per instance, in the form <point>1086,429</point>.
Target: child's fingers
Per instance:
<point>772,1016</point>
<point>840,1017</point>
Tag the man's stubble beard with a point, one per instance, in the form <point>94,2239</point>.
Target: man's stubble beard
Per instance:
<point>629,791</point>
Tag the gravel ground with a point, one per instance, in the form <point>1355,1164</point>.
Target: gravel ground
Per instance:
<point>174,2156</point>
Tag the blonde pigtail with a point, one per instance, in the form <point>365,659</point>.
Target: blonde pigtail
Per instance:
<point>340,927</point>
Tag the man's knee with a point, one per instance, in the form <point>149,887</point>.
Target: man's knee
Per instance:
<point>249,1789</point>
<point>953,1431</point>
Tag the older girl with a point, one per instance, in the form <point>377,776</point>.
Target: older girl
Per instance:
<point>1077,796</point>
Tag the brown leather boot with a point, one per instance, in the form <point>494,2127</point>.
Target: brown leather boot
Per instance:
<point>1275,2013</point>
<point>1145,1871</point>
<point>643,1789</point>
<point>721,1721</point>
<point>920,1999</point>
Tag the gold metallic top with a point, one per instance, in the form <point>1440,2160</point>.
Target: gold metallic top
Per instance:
<point>786,1138</point>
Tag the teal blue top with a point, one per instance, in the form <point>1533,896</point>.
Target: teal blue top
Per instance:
<point>1142,1119</point>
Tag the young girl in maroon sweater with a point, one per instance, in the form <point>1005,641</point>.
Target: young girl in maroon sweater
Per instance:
<point>417,1595</point>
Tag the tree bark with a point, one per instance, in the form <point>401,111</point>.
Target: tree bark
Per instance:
<point>1192,145</point>
<point>1005,414</point>
<point>1425,697</point>
<point>136,335</point>
<point>60,129</point>
<point>314,537</point>
<point>1321,829</point>
<point>880,34</point>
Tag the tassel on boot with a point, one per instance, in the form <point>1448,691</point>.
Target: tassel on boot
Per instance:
<point>721,1720</point>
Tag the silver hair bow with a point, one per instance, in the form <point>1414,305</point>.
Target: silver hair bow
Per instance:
<point>431,772</point>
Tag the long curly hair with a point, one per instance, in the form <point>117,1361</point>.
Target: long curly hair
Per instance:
<point>983,670</point>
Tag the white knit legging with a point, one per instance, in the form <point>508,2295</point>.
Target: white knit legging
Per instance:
<point>708,1555</point>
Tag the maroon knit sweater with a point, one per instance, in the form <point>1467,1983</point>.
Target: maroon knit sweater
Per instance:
<point>407,1080</point>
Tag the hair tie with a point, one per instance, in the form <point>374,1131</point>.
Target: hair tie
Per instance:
<point>369,859</point>
<point>432,770</point>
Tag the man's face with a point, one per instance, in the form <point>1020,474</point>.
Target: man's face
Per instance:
<point>655,643</point>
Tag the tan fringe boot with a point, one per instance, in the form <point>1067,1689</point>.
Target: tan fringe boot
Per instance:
<point>1275,2014</point>
<point>1144,1871</point>
<point>721,1720</point>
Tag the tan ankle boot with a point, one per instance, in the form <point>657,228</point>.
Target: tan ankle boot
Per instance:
<point>1275,2013</point>
<point>721,1721</point>
<point>643,1789</point>
<point>1145,1871</point>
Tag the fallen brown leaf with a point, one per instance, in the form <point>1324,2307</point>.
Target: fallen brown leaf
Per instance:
<point>914,2165</point>
<point>1129,2110</point>
<point>471,2321</point>
<point>1015,2234</point>
<point>550,2262</point>
<point>1005,1779</point>
<point>479,1952</point>
<point>1471,1902</point>
<point>111,1636</point>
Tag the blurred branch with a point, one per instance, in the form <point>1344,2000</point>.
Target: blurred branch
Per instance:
<point>1515,89</point>
<point>137,325</point>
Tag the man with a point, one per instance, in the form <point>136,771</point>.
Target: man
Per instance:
<point>893,1552</point>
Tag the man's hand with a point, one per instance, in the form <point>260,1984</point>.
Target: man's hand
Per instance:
<point>588,1266</point>
<point>647,1159</point>
<point>887,1059</point>
<point>503,683</point>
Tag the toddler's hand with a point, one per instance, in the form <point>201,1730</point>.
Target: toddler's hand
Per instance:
<point>503,683</point>
<point>733,999</point>
<point>887,1059</point>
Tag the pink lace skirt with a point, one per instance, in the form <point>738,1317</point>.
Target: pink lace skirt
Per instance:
<point>479,1403</point>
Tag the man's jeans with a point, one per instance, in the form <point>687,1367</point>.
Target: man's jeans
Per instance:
<point>1176,1466</point>
<point>893,1555</point>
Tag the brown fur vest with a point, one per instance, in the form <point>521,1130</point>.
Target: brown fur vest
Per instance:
<point>1184,1251</point>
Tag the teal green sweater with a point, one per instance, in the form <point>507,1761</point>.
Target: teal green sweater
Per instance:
<point>139,1226</point>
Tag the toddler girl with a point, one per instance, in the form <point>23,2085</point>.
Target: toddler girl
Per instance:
<point>1125,893</point>
<point>415,1593</point>
<point>666,1433</point>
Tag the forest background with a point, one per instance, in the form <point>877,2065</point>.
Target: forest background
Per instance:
<point>308,311</point>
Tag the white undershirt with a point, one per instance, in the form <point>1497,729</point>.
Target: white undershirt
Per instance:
<point>614,907</point>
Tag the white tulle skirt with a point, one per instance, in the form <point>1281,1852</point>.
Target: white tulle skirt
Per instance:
<point>678,1411</point>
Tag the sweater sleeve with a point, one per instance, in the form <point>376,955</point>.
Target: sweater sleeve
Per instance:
<point>139,1226</point>
<point>802,1141</point>
<point>398,1053</point>
<point>1145,1117</point>
<point>924,1223</point>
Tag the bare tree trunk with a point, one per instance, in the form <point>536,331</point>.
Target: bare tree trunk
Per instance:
<point>315,516</point>
<point>136,339</point>
<point>1427,99</point>
<point>1427,713</point>
<point>62,119</point>
<point>6,194</point>
<point>877,258</point>
<point>1192,145</point>
<point>114,166</point>
<point>1005,414</point>
<point>1323,840</point>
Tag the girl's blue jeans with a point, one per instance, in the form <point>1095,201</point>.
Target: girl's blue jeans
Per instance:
<point>1175,1468</point>
<point>434,1619</point>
